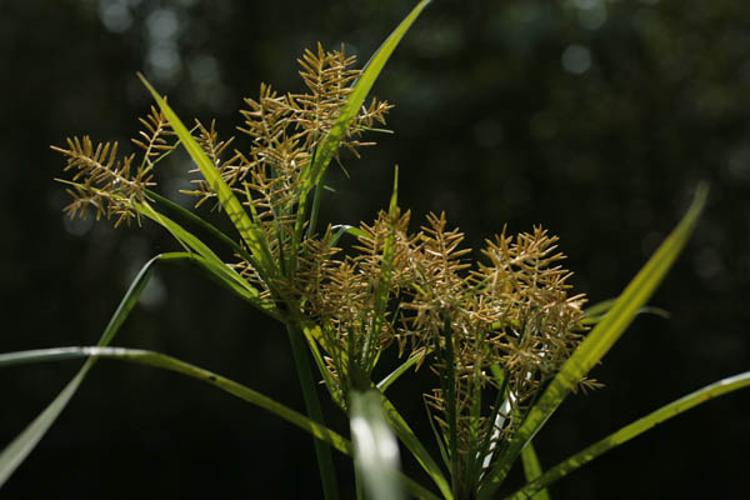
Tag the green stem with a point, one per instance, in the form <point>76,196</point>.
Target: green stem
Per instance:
<point>314,411</point>
<point>315,209</point>
<point>449,389</point>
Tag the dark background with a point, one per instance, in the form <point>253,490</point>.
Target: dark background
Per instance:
<point>594,118</point>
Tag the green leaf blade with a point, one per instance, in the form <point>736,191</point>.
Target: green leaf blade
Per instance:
<point>165,362</point>
<point>598,342</point>
<point>532,469</point>
<point>392,377</point>
<point>210,261</point>
<point>633,430</point>
<point>326,150</point>
<point>250,233</point>
<point>21,447</point>
<point>361,89</point>
<point>14,454</point>
<point>314,411</point>
<point>417,449</point>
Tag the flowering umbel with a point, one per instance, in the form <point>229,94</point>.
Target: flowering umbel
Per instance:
<point>494,332</point>
<point>494,327</point>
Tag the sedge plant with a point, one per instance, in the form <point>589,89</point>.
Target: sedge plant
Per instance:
<point>502,333</point>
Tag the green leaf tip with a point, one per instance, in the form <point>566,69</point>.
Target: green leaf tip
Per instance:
<point>394,196</point>
<point>361,89</point>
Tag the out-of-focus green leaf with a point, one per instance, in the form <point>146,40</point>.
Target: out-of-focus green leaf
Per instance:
<point>376,456</point>
<point>532,469</point>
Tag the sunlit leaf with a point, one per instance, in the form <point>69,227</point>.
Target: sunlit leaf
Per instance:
<point>326,150</point>
<point>330,144</point>
<point>250,233</point>
<point>417,449</point>
<point>389,379</point>
<point>720,388</point>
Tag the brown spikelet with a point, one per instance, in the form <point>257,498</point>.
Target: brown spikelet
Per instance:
<point>498,332</point>
<point>329,76</point>
<point>103,181</point>
<point>110,185</point>
<point>156,138</point>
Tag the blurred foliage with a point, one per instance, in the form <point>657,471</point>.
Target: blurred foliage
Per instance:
<point>582,115</point>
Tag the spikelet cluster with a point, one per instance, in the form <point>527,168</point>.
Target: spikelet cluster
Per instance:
<point>285,130</point>
<point>110,184</point>
<point>500,331</point>
<point>495,330</point>
<point>348,296</point>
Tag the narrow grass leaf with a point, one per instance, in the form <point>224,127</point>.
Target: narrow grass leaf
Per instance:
<point>312,334</point>
<point>342,229</point>
<point>19,449</point>
<point>376,457</point>
<point>210,260</point>
<point>594,314</point>
<point>170,363</point>
<point>417,490</point>
<point>598,341</point>
<point>8,460</point>
<point>448,387</point>
<point>314,410</point>
<point>417,449</point>
<point>195,219</point>
<point>599,309</point>
<point>382,290</point>
<point>715,390</point>
<point>389,379</point>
